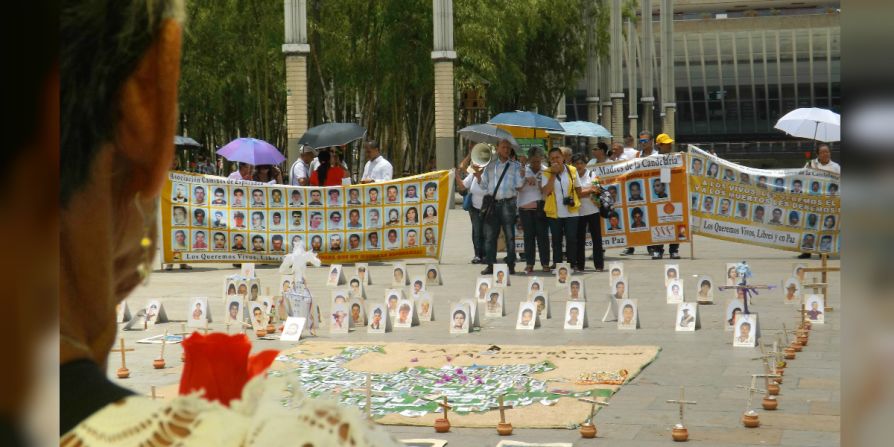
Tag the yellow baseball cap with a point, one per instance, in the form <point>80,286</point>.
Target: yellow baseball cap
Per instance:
<point>664,139</point>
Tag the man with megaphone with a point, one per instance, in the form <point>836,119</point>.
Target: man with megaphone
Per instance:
<point>501,177</point>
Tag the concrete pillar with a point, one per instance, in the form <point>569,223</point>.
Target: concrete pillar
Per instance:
<point>560,110</point>
<point>668,84</point>
<point>605,99</point>
<point>592,79</point>
<point>445,103</point>
<point>648,94</point>
<point>631,77</point>
<point>296,50</point>
<point>616,70</point>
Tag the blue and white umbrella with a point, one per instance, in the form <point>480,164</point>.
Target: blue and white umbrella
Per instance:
<point>529,120</point>
<point>583,129</point>
<point>487,133</point>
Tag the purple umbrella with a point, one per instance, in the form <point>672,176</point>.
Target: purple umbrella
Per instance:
<point>252,151</point>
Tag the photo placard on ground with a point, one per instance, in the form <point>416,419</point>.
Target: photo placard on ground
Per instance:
<point>425,306</point>
<point>733,310</point>
<point>399,276</point>
<point>576,290</point>
<point>746,332</point>
<point>798,271</point>
<point>459,318</point>
<point>535,285</point>
<point>541,304</point>
<point>687,317</point>
<point>285,284</point>
<point>494,306</point>
<point>575,315</point>
<point>705,286</point>
<point>417,285</point>
<point>338,319</point>
<point>234,310</point>
<point>362,271</point>
<point>629,318</point>
<point>501,275</point>
<point>199,314</point>
<point>563,274</point>
<point>732,276</point>
<point>527,316</point>
<point>674,293</point>
<point>355,288</point>
<point>259,318</point>
<point>336,277</point>
<point>406,314</point>
<point>482,285</point>
<point>611,309</point>
<point>815,309</point>
<point>615,272</point>
<point>671,272</point>
<point>791,289</point>
<point>474,312</point>
<point>155,313</point>
<point>432,275</point>
<point>247,270</point>
<point>379,319</point>
<point>392,296</point>
<point>339,296</point>
<point>620,288</point>
<point>357,311</point>
<point>292,329</point>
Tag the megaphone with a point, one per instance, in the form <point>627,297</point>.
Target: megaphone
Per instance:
<point>481,155</point>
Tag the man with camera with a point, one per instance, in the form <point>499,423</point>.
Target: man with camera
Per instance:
<point>561,189</point>
<point>501,178</point>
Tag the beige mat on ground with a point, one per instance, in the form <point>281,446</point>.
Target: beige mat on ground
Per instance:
<point>572,363</point>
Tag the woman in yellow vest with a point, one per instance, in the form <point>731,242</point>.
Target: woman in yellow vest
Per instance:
<point>561,192</point>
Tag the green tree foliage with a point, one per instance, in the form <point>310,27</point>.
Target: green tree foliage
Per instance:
<point>370,62</point>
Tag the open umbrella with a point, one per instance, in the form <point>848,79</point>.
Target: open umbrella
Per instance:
<point>812,123</point>
<point>487,133</point>
<point>583,129</point>
<point>185,141</point>
<point>530,120</point>
<point>252,151</point>
<point>332,134</point>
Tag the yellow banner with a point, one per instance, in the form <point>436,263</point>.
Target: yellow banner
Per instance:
<point>788,209</point>
<point>214,219</point>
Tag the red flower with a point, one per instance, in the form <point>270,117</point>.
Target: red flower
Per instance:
<point>807,154</point>
<point>219,364</point>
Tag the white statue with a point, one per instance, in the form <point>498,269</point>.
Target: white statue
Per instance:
<point>296,263</point>
<point>299,297</point>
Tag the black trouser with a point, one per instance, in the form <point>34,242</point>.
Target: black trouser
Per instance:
<point>567,227</point>
<point>592,223</point>
<point>674,248</point>
<point>477,233</point>
<point>536,231</point>
<point>504,215</point>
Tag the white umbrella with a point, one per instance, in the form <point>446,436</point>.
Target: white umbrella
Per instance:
<point>487,133</point>
<point>583,129</point>
<point>812,123</point>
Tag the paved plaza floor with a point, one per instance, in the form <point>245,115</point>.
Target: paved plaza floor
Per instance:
<point>705,362</point>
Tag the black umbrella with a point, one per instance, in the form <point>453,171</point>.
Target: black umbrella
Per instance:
<point>332,134</point>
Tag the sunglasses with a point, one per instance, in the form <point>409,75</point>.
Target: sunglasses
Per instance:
<point>644,140</point>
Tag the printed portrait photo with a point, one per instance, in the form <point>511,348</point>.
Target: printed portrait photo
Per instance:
<point>258,198</point>
<point>696,166</point>
<point>535,285</point>
<point>614,191</point>
<point>239,222</point>
<point>355,287</point>
<point>541,304</point>
<point>399,275</point>
<point>234,310</point>
<point>745,328</point>
<point>794,218</point>
<point>179,240</point>
<point>411,238</point>
<point>429,215</point>
<point>238,242</point>
<point>200,217</point>
<point>658,190</point>
<point>179,193</point>
<point>501,275</point>
<point>832,189</point>
<point>316,221</point>
<point>674,291</point>
<point>628,318</point>
<point>733,310</point>
<point>392,216</point>
<point>808,242</point>
<point>814,305</point>
<point>292,329</point>
<point>639,218</point>
<point>355,242</point>
<point>316,242</point>
<point>334,220</point>
<point>732,275</point>
<point>417,285</point>
<point>729,175</point>
<point>315,198</point>
<point>238,198</point>
<point>277,243</point>
<point>686,315</point>
<point>713,170</point>
<point>791,289</point>
<point>333,197</point>
<point>258,244</point>
<point>392,239</point>
<point>219,219</point>
<point>742,210</point>
<point>372,241</point>
<point>392,194</point>
<point>411,215</point>
<point>482,285</point>
<point>693,201</point>
<point>615,272</point>
<point>826,242</point>
<point>816,188</point>
<point>296,198</point>
<point>424,306</point>
<point>757,215</point>
<point>296,220</point>
<point>219,241</point>
<point>459,319</point>
<point>777,216</point>
<point>430,191</point>
<point>576,290</point>
<point>277,223</point>
<point>338,319</point>
<point>574,315</point>
<point>811,221</point>
<point>526,316</point>
<point>705,286</point>
<point>258,221</point>
<point>404,314</point>
<point>744,178</point>
<point>619,289</point>
<point>411,192</point>
<point>473,307</point>
<point>494,304</point>
<point>355,219</point>
<point>797,186</point>
<point>153,309</point>
<point>354,198</point>
<point>276,198</point>
<point>614,223</point>
<point>830,222</point>
<point>726,207</point>
<point>297,241</point>
<point>708,204</point>
<point>374,218</point>
<point>373,195</point>
<point>179,217</point>
<point>432,275</point>
<point>635,191</point>
<point>334,275</point>
<point>377,318</point>
<point>198,316</point>
<point>671,272</point>
<point>563,274</point>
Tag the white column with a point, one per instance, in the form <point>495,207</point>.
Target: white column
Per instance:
<point>668,89</point>
<point>443,55</point>
<point>648,94</point>
<point>296,50</point>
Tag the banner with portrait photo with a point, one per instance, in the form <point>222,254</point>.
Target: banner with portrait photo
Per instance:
<point>788,209</point>
<point>214,219</point>
<point>651,202</point>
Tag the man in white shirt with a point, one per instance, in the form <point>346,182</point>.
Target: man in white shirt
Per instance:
<point>299,174</point>
<point>377,169</point>
<point>530,210</point>
<point>630,151</point>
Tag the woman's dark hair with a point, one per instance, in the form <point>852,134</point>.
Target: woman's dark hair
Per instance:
<point>323,169</point>
<point>460,312</point>
<point>603,146</point>
<point>274,173</point>
<point>579,158</point>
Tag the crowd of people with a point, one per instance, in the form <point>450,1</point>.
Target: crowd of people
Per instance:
<point>547,194</point>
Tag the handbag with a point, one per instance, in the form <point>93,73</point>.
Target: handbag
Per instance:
<point>488,204</point>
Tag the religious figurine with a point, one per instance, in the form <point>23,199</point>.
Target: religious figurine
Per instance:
<point>299,296</point>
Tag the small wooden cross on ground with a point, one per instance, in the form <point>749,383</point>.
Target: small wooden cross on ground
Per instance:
<point>785,333</point>
<point>367,390</point>
<point>769,358</point>
<point>502,407</point>
<point>445,406</point>
<point>123,372</point>
<point>682,402</point>
<point>751,390</point>
<point>593,403</point>
<point>824,270</point>
<point>159,363</point>
<point>153,395</point>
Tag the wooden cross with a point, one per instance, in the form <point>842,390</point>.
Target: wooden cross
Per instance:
<point>767,356</point>
<point>767,378</point>
<point>369,394</point>
<point>751,390</point>
<point>153,395</point>
<point>502,409</point>
<point>748,288</point>
<point>164,341</point>
<point>592,402</point>
<point>682,403</point>
<point>122,350</point>
<point>824,270</point>
<point>785,333</point>
<point>445,406</point>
